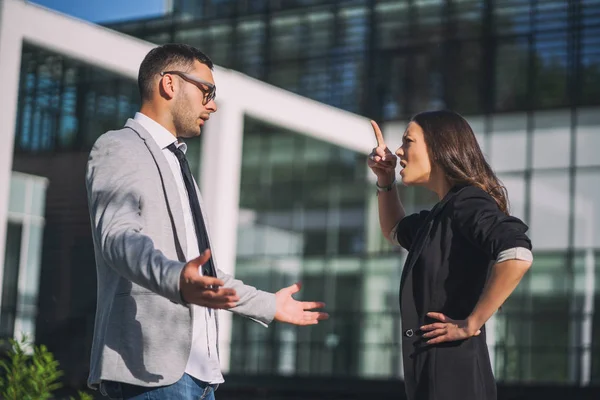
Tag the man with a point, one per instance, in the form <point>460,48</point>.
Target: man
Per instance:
<point>156,330</point>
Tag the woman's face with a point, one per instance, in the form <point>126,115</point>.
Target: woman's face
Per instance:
<point>414,157</point>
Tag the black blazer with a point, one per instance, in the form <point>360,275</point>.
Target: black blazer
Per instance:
<point>451,249</point>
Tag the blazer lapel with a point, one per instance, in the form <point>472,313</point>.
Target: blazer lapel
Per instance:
<point>168,182</point>
<point>423,235</point>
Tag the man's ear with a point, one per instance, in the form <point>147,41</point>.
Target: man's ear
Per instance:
<point>167,86</point>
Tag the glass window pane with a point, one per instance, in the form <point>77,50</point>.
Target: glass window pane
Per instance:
<point>463,74</point>
<point>320,33</point>
<point>467,14</point>
<point>392,22</point>
<point>552,139</point>
<point>286,37</point>
<point>512,64</point>
<point>249,47</point>
<point>38,197</point>
<point>347,83</point>
<point>352,29</point>
<point>590,64</point>
<point>18,189</point>
<point>427,81</point>
<point>587,214</point>
<point>588,137</point>
<point>508,142</point>
<point>512,17</point>
<point>515,185</point>
<point>316,83</point>
<point>12,259</point>
<point>550,70</point>
<point>393,92</point>
<point>550,210</point>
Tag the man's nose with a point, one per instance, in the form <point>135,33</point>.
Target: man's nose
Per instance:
<point>212,106</point>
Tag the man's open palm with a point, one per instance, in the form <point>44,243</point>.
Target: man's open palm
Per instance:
<point>297,312</point>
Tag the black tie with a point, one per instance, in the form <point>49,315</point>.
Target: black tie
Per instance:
<point>208,269</point>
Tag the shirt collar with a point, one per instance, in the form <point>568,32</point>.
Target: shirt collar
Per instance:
<point>159,133</point>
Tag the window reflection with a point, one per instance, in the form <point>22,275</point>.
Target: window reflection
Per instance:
<point>587,214</point>
<point>587,139</point>
<point>550,215</point>
<point>552,139</point>
<point>66,105</point>
<point>508,142</point>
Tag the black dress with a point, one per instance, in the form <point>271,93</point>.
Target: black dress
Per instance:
<point>451,250</point>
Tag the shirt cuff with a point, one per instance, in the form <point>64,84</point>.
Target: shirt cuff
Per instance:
<point>516,253</point>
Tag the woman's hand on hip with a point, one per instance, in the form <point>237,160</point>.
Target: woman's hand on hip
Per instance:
<point>448,329</point>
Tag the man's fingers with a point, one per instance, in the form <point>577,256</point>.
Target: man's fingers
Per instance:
<point>219,293</point>
<point>314,317</point>
<point>222,298</point>
<point>208,281</point>
<point>295,288</point>
<point>202,258</point>
<point>311,305</point>
<point>322,316</point>
<point>378,134</point>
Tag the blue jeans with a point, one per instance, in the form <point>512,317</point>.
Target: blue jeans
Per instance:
<point>187,388</point>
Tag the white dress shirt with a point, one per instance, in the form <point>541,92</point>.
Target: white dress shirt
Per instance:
<point>203,362</point>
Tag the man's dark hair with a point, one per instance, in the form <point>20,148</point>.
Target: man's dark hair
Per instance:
<point>170,56</point>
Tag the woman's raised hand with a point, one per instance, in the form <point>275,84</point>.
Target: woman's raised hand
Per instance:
<point>381,160</point>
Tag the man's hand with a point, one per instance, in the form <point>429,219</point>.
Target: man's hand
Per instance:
<point>296,312</point>
<point>448,330</point>
<point>204,291</point>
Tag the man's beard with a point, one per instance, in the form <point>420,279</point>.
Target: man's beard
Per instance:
<point>185,123</point>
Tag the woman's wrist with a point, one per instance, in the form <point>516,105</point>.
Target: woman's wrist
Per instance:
<point>473,324</point>
<point>383,181</point>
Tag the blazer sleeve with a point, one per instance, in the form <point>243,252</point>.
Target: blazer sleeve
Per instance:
<point>477,216</point>
<point>255,304</point>
<point>406,230</point>
<point>114,188</point>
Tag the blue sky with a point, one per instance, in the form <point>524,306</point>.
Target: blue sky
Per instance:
<point>106,10</point>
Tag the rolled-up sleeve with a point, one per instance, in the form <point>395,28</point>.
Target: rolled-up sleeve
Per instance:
<point>406,229</point>
<point>478,218</point>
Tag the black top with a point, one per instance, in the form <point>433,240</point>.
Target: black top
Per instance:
<point>451,249</point>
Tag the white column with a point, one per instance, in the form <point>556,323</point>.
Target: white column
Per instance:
<point>220,185</point>
<point>10,62</point>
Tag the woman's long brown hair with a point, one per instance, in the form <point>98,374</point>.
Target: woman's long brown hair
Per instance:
<point>454,148</point>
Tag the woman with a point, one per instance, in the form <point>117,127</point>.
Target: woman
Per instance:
<point>465,258</point>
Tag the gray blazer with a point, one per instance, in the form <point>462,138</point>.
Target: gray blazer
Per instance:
<point>143,331</point>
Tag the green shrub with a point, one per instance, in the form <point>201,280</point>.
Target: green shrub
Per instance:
<point>30,373</point>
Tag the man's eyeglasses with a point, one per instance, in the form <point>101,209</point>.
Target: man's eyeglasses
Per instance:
<point>208,89</point>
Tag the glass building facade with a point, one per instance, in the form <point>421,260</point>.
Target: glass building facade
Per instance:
<point>525,73</point>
